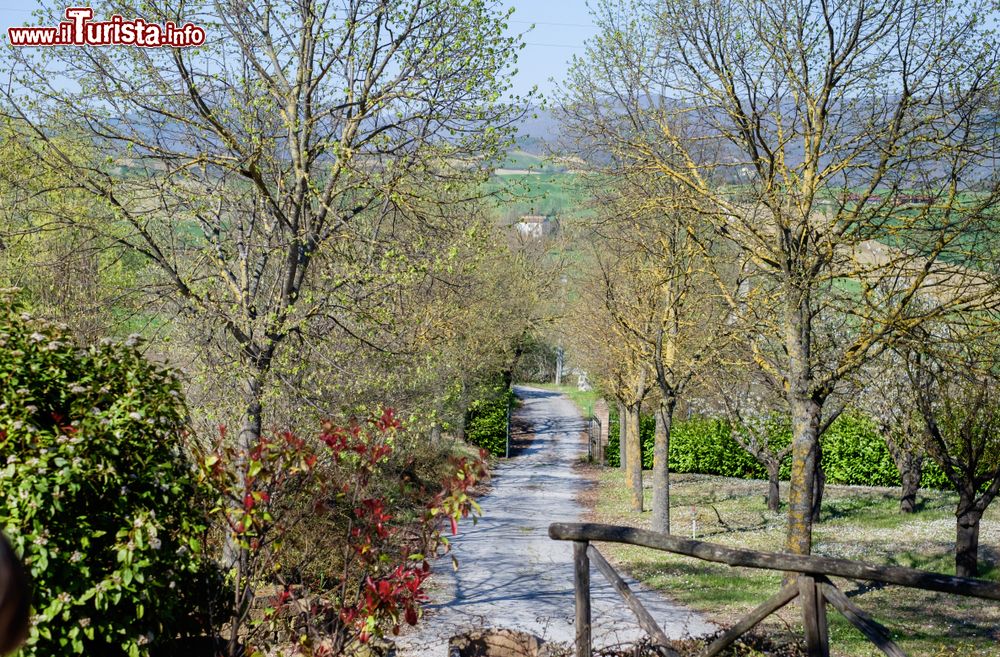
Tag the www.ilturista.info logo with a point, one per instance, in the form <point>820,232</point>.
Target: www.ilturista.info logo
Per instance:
<point>79,30</point>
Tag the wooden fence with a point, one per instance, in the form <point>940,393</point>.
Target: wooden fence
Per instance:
<point>812,586</point>
<point>595,450</point>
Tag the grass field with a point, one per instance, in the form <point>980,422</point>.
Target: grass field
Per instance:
<point>857,523</point>
<point>544,193</point>
<point>520,160</point>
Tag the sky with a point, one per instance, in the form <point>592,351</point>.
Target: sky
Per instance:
<point>560,29</point>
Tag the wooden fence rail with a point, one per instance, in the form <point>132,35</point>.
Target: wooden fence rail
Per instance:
<point>812,586</point>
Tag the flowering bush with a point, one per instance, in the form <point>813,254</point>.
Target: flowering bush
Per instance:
<point>95,494</point>
<point>333,538</point>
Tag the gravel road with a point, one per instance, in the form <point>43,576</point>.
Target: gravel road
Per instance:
<point>510,573</point>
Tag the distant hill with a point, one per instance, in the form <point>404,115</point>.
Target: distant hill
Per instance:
<point>537,131</point>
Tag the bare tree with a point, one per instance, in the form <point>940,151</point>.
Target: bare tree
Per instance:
<point>269,168</point>
<point>754,410</point>
<point>888,397</point>
<point>956,388</point>
<point>844,147</point>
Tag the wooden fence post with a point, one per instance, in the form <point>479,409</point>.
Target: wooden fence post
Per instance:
<point>814,617</point>
<point>603,414</point>
<point>581,587</point>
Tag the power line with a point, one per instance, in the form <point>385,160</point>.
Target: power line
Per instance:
<point>588,25</point>
<point>552,45</point>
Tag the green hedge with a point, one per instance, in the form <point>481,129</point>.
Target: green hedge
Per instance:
<point>854,453</point>
<point>486,422</point>
<point>95,493</point>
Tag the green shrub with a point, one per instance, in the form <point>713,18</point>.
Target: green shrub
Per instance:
<point>647,429</point>
<point>95,493</point>
<point>486,422</point>
<point>854,452</point>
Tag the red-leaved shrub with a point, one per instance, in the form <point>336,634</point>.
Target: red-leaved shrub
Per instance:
<point>329,539</point>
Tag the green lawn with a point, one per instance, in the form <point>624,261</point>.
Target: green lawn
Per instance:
<point>584,400</point>
<point>858,523</point>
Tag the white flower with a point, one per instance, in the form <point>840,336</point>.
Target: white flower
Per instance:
<point>36,337</point>
<point>77,389</point>
<point>135,416</point>
<point>155,543</point>
<point>84,622</point>
<point>76,556</point>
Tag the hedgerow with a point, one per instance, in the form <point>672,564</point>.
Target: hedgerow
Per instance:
<point>95,492</point>
<point>854,453</point>
<point>486,422</point>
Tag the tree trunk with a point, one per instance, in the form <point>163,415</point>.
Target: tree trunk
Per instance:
<point>634,470</point>
<point>910,473</point>
<point>910,462</point>
<point>622,446</point>
<point>233,555</point>
<point>819,485</point>
<point>806,409</point>
<point>967,543</point>
<point>661,466</point>
<point>773,485</point>
<point>463,405</point>
<point>805,448</point>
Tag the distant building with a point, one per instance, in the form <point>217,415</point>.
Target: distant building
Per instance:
<point>535,226</point>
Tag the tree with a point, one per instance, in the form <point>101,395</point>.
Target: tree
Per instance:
<point>888,398</point>
<point>261,173</point>
<point>840,146</point>
<point>956,389</point>
<point>755,416</point>
<point>67,274</point>
<point>613,316</point>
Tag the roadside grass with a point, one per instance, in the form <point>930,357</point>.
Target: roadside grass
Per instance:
<point>584,399</point>
<point>857,523</point>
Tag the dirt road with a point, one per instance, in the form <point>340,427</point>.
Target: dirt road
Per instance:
<point>511,574</point>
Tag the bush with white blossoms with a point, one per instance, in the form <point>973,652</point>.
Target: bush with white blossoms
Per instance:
<point>94,494</point>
